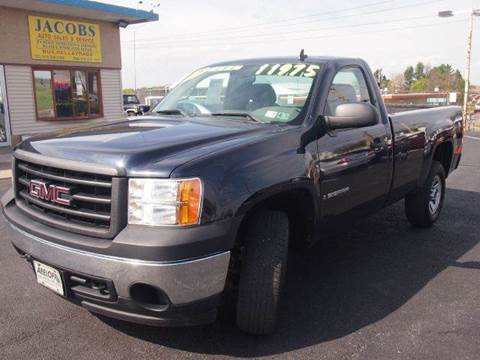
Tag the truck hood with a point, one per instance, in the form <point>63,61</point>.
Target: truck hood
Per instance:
<point>148,146</point>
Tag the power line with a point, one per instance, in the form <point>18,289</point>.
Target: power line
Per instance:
<point>282,22</point>
<point>377,31</point>
<point>267,36</point>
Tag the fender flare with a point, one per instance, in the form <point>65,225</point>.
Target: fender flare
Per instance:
<point>427,164</point>
<point>306,185</point>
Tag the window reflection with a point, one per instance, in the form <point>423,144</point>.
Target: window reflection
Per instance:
<point>79,93</point>
<point>93,99</point>
<point>43,94</point>
<point>63,94</point>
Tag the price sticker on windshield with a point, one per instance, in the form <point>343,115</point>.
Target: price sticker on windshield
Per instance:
<point>210,69</point>
<point>299,70</point>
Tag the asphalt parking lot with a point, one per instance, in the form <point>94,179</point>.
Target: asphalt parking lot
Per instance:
<point>377,290</point>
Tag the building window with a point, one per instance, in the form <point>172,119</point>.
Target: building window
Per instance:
<point>65,94</point>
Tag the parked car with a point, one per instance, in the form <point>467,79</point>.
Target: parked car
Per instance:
<point>145,220</point>
<point>132,106</point>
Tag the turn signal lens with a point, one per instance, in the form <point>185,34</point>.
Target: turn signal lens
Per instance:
<point>158,202</point>
<point>190,199</point>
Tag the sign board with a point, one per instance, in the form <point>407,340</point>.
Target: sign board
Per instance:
<point>452,98</point>
<point>64,40</point>
<point>436,100</point>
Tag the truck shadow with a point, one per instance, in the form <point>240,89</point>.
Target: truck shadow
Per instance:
<point>357,277</point>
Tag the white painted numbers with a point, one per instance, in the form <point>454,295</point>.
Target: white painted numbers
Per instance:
<point>302,70</point>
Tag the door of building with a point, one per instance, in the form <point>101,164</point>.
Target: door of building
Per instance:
<point>4,119</point>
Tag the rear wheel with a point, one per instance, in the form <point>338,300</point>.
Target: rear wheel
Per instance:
<point>262,274</point>
<point>424,205</point>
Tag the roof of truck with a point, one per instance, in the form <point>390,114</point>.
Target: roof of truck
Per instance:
<point>284,59</point>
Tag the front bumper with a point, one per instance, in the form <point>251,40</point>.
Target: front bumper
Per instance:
<point>189,289</point>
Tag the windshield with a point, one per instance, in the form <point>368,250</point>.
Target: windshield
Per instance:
<point>264,92</point>
<point>130,99</point>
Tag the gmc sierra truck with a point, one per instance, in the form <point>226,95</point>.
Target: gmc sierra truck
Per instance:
<point>153,220</point>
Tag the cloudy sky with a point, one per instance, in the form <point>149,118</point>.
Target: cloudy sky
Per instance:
<point>390,34</point>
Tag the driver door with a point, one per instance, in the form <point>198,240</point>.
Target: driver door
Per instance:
<point>354,163</point>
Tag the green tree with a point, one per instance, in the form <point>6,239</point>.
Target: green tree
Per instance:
<point>128,91</point>
<point>445,78</point>
<point>409,76</point>
<point>421,85</point>
<point>419,71</point>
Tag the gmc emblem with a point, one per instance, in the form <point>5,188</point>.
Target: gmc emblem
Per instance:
<point>51,193</point>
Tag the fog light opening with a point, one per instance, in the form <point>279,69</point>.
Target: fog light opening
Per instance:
<point>148,296</point>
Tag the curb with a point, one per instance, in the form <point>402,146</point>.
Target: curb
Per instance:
<point>5,174</point>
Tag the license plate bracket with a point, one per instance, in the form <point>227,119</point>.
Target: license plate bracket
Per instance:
<point>49,277</point>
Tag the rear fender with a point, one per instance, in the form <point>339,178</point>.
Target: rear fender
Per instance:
<point>431,148</point>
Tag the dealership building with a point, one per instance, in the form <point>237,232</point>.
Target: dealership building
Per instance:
<point>60,64</point>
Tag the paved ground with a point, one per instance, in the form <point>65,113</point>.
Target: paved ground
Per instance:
<point>380,290</point>
<point>5,164</point>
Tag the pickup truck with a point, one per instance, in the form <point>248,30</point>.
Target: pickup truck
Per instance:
<point>132,106</point>
<point>156,220</point>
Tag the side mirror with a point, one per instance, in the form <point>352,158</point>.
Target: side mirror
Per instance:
<point>352,115</point>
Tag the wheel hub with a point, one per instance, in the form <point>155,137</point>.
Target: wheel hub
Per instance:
<point>435,195</point>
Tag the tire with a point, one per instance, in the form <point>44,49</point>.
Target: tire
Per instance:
<point>424,205</point>
<point>262,274</point>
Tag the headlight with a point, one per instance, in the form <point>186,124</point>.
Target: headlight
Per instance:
<point>164,201</point>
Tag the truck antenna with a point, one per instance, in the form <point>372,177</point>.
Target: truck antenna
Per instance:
<point>303,56</point>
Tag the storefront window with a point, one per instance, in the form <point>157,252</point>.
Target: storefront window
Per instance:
<point>79,94</point>
<point>67,94</point>
<point>93,98</point>
<point>63,93</point>
<point>43,94</point>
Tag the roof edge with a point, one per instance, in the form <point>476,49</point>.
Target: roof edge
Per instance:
<point>142,15</point>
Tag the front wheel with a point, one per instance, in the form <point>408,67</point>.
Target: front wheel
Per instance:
<point>424,205</point>
<point>262,274</point>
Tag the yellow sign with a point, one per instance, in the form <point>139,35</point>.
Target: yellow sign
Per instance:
<point>64,40</point>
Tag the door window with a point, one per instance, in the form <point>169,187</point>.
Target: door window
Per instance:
<point>348,86</point>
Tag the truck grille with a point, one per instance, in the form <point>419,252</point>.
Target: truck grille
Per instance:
<point>94,200</point>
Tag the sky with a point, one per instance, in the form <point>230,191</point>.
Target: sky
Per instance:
<point>389,34</point>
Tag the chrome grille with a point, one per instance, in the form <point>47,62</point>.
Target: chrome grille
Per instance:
<point>95,200</point>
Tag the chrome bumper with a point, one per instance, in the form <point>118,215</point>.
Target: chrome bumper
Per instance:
<point>183,281</point>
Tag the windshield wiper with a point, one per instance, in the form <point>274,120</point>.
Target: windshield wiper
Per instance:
<point>236,113</point>
<point>171,112</point>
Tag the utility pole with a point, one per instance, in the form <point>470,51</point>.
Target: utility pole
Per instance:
<point>134,62</point>
<point>473,13</point>
<point>139,3</point>
<point>467,76</point>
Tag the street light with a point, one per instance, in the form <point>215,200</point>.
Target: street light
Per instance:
<point>473,13</point>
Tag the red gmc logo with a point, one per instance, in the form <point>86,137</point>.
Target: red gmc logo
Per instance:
<point>52,193</point>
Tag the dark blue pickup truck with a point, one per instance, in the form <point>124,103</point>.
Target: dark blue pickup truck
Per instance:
<point>147,220</point>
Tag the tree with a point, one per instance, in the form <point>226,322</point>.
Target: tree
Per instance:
<point>445,78</point>
<point>419,71</point>
<point>421,85</point>
<point>409,76</point>
<point>382,80</point>
<point>397,84</point>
